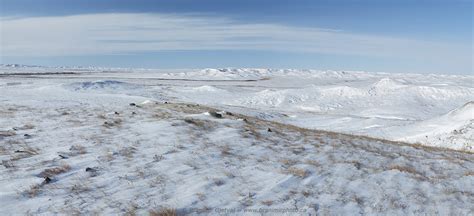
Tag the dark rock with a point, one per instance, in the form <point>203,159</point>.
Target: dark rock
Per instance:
<point>88,169</point>
<point>215,114</point>
<point>134,113</point>
<point>63,157</point>
<point>27,135</point>
<point>116,113</point>
<point>269,130</point>
<point>132,104</point>
<point>47,180</point>
<point>229,113</point>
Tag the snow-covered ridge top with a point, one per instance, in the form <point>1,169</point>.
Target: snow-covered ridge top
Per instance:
<point>466,111</point>
<point>222,73</point>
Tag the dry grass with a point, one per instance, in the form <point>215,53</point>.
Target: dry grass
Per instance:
<point>404,169</point>
<point>25,127</point>
<point>288,162</point>
<point>201,196</point>
<point>132,210</point>
<point>302,173</point>
<point>128,151</point>
<point>226,150</point>
<point>202,124</point>
<point>469,173</point>
<point>163,212</point>
<point>33,191</point>
<point>313,162</point>
<point>251,131</point>
<point>55,171</point>
<point>409,170</point>
<point>307,193</point>
<point>267,202</point>
<point>80,187</point>
<point>77,149</point>
<point>7,133</point>
<point>24,153</point>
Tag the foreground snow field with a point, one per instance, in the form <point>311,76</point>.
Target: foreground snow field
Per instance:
<point>229,141</point>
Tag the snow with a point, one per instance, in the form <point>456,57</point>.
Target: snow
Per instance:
<point>149,142</point>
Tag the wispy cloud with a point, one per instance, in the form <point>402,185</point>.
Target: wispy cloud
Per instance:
<point>121,33</point>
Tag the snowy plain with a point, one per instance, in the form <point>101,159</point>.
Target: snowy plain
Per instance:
<point>320,142</point>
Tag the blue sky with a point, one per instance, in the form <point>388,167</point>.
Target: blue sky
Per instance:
<point>394,36</point>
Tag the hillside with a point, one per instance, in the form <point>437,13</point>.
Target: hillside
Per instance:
<point>153,156</point>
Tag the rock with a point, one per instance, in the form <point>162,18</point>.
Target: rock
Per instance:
<point>133,104</point>
<point>47,180</point>
<point>116,113</point>
<point>215,114</point>
<point>269,130</point>
<point>88,169</point>
<point>63,157</point>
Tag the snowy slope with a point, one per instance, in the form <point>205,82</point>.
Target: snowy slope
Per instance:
<point>105,156</point>
<point>454,129</point>
<point>118,143</point>
<point>382,105</point>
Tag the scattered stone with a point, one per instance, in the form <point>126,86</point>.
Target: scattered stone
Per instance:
<point>27,135</point>
<point>158,158</point>
<point>116,113</point>
<point>229,113</point>
<point>133,104</point>
<point>166,102</point>
<point>134,113</point>
<point>47,180</point>
<point>88,169</point>
<point>215,114</point>
<point>269,130</point>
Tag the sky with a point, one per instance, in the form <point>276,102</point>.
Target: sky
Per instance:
<point>403,36</point>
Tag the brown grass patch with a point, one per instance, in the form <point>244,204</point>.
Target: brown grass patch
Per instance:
<point>55,171</point>
<point>33,191</point>
<point>226,150</point>
<point>163,212</point>
<point>404,169</point>
<point>302,173</point>
<point>203,124</point>
<point>288,162</point>
<point>7,133</point>
<point>77,149</point>
<point>469,173</point>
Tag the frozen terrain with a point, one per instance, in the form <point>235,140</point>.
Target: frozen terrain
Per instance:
<point>214,141</point>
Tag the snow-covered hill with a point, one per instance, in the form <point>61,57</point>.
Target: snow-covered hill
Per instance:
<point>149,157</point>
<point>454,129</point>
<point>137,143</point>
<point>383,105</point>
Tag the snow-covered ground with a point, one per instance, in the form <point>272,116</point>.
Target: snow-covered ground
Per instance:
<point>104,155</point>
